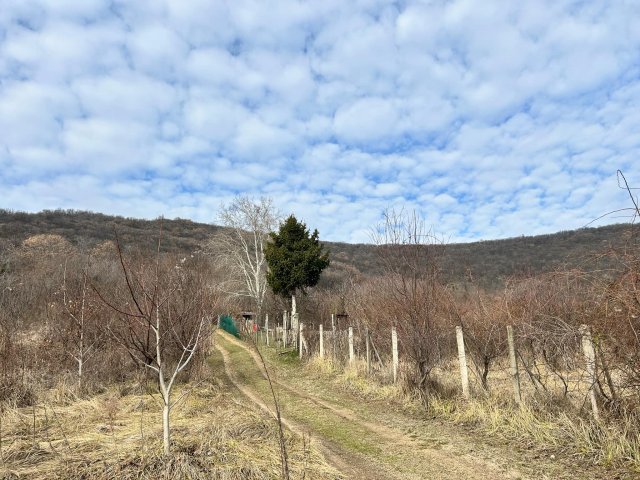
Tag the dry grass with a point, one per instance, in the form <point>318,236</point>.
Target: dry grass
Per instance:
<point>611,444</point>
<point>117,434</point>
<point>353,378</point>
<point>546,423</point>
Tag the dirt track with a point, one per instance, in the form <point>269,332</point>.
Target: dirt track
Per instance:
<point>350,467</point>
<point>360,448</point>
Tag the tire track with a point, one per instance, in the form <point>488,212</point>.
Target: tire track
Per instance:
<point>431,463</point>
<point>348,464</point>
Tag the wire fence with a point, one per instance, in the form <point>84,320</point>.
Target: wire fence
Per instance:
<point>571,369</point>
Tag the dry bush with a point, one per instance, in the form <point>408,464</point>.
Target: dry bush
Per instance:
<point>409,295</point>
<point>40,246</point>
<point>484,320</point>
<point>617,333</point>
<point>547,311</point>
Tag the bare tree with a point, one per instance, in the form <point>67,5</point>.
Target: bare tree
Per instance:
<point>79,330</point>
<point>484,325</point>
<point>411,289</point>
<point>240,249</point>
<point>162,307</point>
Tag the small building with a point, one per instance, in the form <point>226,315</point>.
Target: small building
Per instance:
<point>249,319</point>
<point>342,320</point>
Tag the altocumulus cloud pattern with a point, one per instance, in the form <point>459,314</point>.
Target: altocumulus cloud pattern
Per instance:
<point>492,119</point>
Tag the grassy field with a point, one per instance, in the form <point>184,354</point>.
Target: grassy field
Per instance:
<point>368,432</point>
<point>217,434</point>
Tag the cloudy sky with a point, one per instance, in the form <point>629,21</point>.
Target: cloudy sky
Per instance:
<point>491,119</point>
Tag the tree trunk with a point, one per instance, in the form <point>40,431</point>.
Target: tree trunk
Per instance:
<point>423,386</point>
<point>80,365</point>
<point>485,373</point>
<point>166,437</point>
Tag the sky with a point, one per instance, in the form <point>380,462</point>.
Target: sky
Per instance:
<point>490,119</point>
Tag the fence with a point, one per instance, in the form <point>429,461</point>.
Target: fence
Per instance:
<point>382,354</point>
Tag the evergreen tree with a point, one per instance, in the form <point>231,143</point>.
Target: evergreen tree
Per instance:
<point>295,258</point>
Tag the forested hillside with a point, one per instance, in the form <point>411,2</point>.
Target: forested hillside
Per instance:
<point>485,262</point>
<point>88,229</point>
<point>488,263</point>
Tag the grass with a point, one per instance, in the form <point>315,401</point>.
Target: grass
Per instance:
<point>298,409</point>
<point>216,434</point>
<point>609,444</point>
<point>365,434</point>
<point>545,426</point>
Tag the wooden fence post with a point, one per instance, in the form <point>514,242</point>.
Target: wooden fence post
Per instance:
<point>351,352</point>
<point>513,361</point>
<point>266,327</point>
<point>590,357</point>
<point>321,341</point>
<point>368,339</point>
<point>394,353</point>
<point>462,358</point>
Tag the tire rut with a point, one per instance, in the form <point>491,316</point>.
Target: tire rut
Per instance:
<point>466,466</point>
<point>348,464</point>
<point>431,463</point>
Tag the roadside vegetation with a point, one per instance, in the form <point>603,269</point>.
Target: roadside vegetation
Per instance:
<point>217,434</point>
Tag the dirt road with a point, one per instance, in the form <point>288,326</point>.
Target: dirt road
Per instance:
<point>361,441</point>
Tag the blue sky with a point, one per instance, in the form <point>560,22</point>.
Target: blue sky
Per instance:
<point>491,119</point>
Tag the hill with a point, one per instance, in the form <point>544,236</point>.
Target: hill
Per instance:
<point>87,229</point>
<point>489,262</point>
<point>486,262</point>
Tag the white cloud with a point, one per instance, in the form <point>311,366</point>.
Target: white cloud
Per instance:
<point>367,121</point>
<point>491,120</point>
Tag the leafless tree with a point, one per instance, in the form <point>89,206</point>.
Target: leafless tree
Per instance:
<point>162,308</point>
<point>414,295</point>
<point>78,329</point>
<point>484,323</point>
<point>240,248</point>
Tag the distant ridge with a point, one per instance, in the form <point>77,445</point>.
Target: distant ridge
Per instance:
<point>487,263</point>
<point>88,229</point>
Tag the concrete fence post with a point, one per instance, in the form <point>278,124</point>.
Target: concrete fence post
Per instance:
<point>321,341</point>
<point>590,358</point>
<point>462,359</point>
<point>266,327</point>
<point>284,329</point>
<point>352,355</point>
<point>295,321</point>
<point>368,340</point>
<point>513,361</point>
<point>295,327</point>
<point>301,327</point>
<point>333,336</point>
<point>394,353</point>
